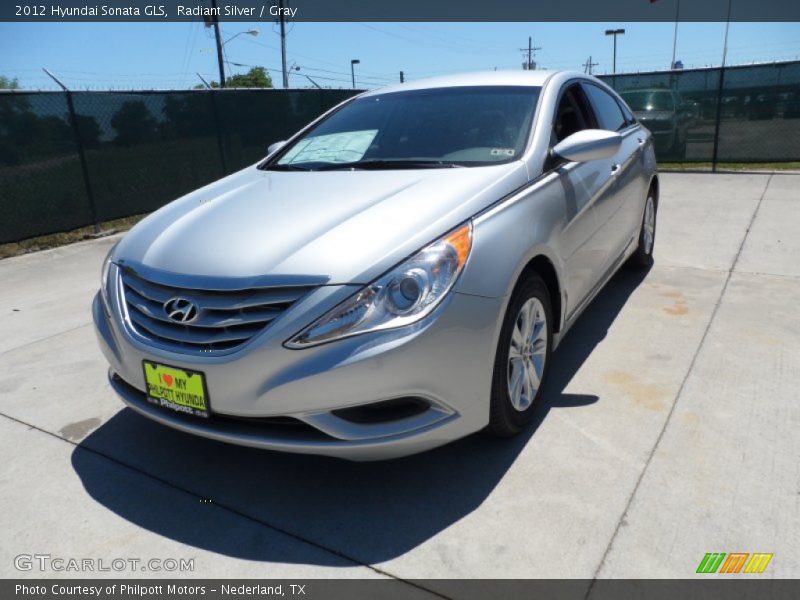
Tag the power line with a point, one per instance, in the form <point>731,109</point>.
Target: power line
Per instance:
<point>369,74</point>
<point>381,79</point>
<point>447,47</point>
<point>278,70</point>
<point>472,44</point>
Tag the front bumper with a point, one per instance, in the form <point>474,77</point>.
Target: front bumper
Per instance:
<point>446,361</point>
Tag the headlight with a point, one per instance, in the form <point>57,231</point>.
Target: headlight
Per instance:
<point>404,295</point>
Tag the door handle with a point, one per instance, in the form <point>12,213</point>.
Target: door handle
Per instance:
<point>614,169</point>
<point>641,141</point>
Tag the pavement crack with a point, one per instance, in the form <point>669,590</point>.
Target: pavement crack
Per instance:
<point>624,516</point>
<point>230,509</point>
<point>44,339</point>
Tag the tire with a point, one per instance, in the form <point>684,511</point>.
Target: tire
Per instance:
<point>509,416</point>
<point>643,256</point>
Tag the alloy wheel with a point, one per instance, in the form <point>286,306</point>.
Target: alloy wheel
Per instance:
<point>527,354</point>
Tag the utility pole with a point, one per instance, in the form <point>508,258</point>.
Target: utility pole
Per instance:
<point>725,43</point>
<point>283,43</point>
<point>615,33</point>
<point>353,64</point>
<point>402,77</point>
<point>675,35</point>
<point>587,66</point>
<point>215,21</point>
<point>530,65</point>
<point>720,89</point>
<point>530,52</point>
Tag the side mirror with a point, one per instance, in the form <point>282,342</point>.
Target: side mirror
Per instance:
<point>275,147</point>
<point>589,144</point>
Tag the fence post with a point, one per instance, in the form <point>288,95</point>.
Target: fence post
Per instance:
<point>218,126</point>
<point>718,117</point>
<point>81,154</point>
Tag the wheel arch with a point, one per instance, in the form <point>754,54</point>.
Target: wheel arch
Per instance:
<point>544,267</point>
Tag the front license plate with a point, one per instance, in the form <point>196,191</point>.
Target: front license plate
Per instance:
<point>176,389</point>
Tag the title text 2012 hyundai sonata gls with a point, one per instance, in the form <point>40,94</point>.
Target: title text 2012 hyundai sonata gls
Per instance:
<point>393,277</point>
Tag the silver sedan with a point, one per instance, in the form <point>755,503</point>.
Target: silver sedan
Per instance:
<point>394,277</point>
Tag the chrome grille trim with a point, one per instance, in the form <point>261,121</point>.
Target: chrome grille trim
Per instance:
<point>226,318</point>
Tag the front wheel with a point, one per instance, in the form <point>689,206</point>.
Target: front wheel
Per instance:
<point>643,256</point>
<point>522,359</point>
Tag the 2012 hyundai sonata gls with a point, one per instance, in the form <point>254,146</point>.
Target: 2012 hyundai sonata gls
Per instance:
<point>394,277</point>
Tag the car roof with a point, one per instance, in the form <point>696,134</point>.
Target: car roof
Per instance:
<point>484,78</point>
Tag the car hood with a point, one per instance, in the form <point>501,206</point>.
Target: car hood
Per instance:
<point>337,226</point>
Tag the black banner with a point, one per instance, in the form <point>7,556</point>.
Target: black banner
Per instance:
<point>406,11</point>
<point>749,587</point>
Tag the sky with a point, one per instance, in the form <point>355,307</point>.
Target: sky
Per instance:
<point>168,55</point>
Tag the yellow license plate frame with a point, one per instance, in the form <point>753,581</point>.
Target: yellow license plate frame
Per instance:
<point>175,388</point>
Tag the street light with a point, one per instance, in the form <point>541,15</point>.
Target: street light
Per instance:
<point>220,44</point>
<point>354,62</point>
<point>615,33</point>
<point>253,32</point>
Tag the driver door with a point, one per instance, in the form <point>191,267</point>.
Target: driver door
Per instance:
<point>585,185</point>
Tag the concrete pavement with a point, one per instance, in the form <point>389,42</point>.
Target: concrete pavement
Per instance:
<point>670,431</point>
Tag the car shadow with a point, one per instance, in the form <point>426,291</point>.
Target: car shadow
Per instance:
<point>367,512</point>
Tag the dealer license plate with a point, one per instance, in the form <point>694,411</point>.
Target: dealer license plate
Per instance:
<point>176,389</point>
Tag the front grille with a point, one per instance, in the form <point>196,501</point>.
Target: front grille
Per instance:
<point>224,319</point>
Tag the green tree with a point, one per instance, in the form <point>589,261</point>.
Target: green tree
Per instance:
<point>6,83</point>
<point>257,77</point>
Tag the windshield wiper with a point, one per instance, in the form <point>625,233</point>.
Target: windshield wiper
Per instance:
<point>379,164</point>
<point>286,167</point>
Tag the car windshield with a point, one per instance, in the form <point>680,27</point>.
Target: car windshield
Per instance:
<point>432,128</point>
<point>649,100</point>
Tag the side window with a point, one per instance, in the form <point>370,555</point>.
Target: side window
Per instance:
<point>629,118</point>
<point>609,114</point>
<point>572,114</point>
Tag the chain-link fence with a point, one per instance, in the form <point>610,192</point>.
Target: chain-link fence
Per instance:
<point>739,114</point>
<point>77,158</point>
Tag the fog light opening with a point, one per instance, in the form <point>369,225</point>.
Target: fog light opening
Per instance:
<point>386,411</point>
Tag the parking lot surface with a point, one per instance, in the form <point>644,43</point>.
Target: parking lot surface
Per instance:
<point>670,429</point>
